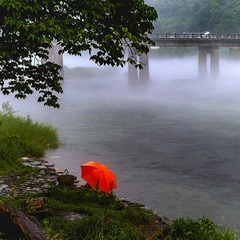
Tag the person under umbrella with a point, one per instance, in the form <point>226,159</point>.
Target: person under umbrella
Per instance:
<point>98,176</point>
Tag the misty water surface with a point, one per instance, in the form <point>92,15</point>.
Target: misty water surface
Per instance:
<point>173,143</point>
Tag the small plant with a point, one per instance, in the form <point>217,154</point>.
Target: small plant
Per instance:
<point>7,109</point>
<point>201,229</point>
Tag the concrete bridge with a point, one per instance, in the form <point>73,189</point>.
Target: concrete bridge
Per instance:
<point>206,44</point>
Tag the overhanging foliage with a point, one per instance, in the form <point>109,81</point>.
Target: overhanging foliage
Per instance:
<point>28,28</point>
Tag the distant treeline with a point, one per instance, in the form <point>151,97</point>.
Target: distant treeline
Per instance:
<point>216,16</point>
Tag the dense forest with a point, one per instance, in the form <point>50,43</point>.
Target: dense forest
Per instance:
<point>216,16</point>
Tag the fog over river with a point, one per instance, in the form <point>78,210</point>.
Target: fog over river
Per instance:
<point>173,143</point>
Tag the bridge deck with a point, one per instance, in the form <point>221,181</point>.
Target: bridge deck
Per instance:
<point>196,40</point>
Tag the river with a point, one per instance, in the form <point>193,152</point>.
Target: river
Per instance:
<point>173,143</point>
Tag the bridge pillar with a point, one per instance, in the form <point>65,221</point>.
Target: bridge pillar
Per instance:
<point>214,65</point>
<point>144,73</point>
<point>202,62</point>
<point>132,70</point>
<point>55,57</point>
<point>134,74</point>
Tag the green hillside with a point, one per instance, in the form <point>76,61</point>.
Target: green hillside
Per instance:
<point>216,16</point>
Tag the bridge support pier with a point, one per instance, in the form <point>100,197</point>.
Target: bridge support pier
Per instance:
<point>132,70</point>
<point>202,62</point>
<point>136,75</point>
<point>144,73</point>
<point>214,69</point>
<point>55,57</point>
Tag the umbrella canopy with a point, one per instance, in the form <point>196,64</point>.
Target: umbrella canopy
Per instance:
<point>98,176</point>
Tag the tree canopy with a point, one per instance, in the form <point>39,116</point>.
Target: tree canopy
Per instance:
<point>216,16</point>
<point>29,27</point>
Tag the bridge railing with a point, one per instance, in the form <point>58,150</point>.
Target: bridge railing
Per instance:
<point>195,35</point>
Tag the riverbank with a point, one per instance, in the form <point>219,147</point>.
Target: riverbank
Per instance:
<point>44,177</point>
<point>24,178</point>
<point>64,211</point>
<point>45,180</point>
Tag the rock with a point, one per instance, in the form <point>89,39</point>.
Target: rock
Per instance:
<point>6,191</point>
<point>2,187</point>
<point>34,184</point>
<point>36,163</point>
<point>42,172</point>
<point>38,204</point>
<point>48,165</point>
<point>15,224</point>
<point>26,159</point>
<point>71,216</point>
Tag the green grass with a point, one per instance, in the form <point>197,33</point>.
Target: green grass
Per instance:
<point>201,229</point>
<point>21,137</point>
<point>105,216</point>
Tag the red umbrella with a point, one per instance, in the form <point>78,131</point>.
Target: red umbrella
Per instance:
<point>98,176</point>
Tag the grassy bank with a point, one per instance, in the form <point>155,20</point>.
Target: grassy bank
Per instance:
<point>21,137</point>
<point>83,213</point>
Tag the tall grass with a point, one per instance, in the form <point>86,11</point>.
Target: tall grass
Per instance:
<point>21,137</point>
